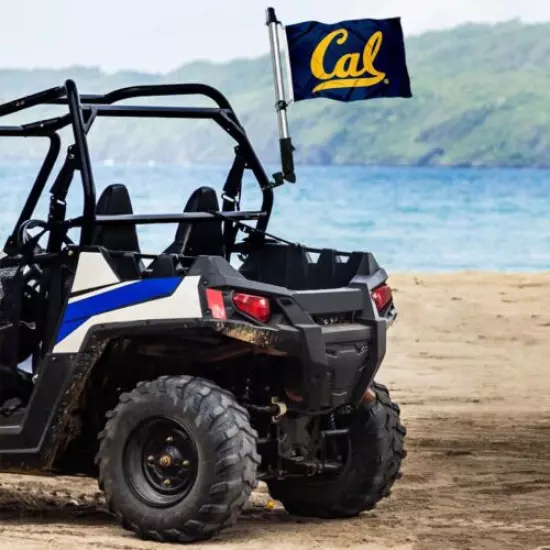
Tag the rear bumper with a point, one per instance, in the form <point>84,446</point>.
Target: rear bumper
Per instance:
<point>338,361</point>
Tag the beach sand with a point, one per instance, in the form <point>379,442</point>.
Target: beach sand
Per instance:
<point>469,362</point>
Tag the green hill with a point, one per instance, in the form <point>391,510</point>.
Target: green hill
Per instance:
<point>481,98</point>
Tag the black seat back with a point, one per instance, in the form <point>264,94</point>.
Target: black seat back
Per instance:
<point>115,200</point>
<point>199,238</point>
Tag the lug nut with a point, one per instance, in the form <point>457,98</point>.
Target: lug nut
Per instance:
<point>151,459</point>
<point>165,461</point>
<point>186,463</point>
<point>170,439</point>
<point>167,483</point>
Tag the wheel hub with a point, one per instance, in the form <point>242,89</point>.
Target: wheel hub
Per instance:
<point>161,462</point>
<point>165,461</point>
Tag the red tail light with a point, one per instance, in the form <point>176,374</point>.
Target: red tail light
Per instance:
<point>214,299</point>
<point>255,306</point>
<point>382,296</point>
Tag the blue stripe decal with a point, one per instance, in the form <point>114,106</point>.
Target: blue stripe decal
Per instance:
<point>79,312</point>
<point>67,327</point>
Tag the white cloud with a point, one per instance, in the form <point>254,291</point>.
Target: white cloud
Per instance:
<point>161,34</point>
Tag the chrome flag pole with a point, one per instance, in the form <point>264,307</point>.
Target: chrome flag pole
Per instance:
<point>281,104</point>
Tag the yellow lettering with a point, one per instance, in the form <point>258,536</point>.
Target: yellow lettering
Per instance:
<point>348,65</point>
<point>370,53</point>
<point>317,63</point>
<point>347,73</point>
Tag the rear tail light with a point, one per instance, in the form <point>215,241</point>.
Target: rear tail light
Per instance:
<point>382,296</point>
<point>214,299</point>
<point>256,306</point>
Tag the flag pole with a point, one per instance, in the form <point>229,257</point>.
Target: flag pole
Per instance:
<point>285,142</point>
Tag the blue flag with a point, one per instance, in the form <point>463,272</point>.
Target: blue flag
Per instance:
<point>348,61</point>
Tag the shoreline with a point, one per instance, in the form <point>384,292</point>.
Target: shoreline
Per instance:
<point>152,163</point>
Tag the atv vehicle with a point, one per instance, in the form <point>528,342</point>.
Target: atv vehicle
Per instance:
<point>177,379</point>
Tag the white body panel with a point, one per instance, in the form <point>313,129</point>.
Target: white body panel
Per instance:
<point>92,272</point>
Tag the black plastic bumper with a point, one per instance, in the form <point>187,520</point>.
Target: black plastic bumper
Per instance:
<point>339,360</point>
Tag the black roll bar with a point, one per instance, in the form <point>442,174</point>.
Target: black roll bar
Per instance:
<point>26,102</point>
<point>83,109</point>
<point>151,90</point>
<point>145,219</point>
<point>159,112</point>
<point>38,187</point>
<point>83,154</point>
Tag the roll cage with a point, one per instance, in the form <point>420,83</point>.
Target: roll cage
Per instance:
<point>83,111</point>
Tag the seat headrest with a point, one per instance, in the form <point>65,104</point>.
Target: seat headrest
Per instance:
<point>201,200</point>
<point>115,200</point>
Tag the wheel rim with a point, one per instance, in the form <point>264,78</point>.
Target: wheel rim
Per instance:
<point>161,462</point>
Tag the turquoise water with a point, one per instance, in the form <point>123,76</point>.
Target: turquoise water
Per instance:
<point>413,219</point>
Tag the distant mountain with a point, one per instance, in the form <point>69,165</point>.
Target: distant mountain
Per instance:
<point>481,98</point>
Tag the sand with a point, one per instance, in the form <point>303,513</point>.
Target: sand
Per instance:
<point>469,362</point>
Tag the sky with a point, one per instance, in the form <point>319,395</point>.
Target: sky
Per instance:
<point>160,35</point>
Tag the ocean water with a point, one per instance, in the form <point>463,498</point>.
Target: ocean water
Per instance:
<point>412,219</point>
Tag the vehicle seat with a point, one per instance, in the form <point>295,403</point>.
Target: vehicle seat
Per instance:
<point>115,200</point>
<point>199,238</point>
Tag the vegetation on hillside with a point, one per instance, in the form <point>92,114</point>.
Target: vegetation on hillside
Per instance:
<point>481,98</point>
